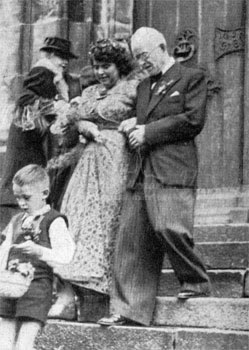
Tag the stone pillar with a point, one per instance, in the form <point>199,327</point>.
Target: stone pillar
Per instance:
<point>11,32</point>
<point>115,17</point>
<point>244,196</point>
<point>23,26</point>
<point>80,24</point>
<point>246,104</point>
<point>48,18</point>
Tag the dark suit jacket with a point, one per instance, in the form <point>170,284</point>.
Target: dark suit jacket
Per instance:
<point>173,116</point>
<point>26,147</point>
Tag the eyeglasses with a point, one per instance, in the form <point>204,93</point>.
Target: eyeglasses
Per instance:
<point>144,56</point>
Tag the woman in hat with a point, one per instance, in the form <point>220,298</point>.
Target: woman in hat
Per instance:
<point>28,140</point>
<point>94,194</point>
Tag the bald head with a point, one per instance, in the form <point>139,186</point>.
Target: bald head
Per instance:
<point>150,50</point>
<point>146,38</point>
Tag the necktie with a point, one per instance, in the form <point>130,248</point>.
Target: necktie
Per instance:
<point>154,79</point>
<point>153,82</point>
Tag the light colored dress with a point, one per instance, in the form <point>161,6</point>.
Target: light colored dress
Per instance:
<point>93,199</point>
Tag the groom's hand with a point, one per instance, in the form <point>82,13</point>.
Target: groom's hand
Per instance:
<point>137,136</point>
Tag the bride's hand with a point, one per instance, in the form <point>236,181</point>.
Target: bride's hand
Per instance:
<point>127,125</point>
<point>86,127</point>
<point>75,102</point>
<point>90,130</point>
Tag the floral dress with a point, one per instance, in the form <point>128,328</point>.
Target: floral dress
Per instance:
<point>93,198</point>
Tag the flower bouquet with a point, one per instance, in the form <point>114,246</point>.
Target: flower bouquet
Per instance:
<point>15,281</point>
<point>31,230</point>
<point>38,115</point>
<point>69,142</point>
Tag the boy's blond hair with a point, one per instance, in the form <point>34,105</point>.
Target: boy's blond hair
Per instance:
<point>32,174</point>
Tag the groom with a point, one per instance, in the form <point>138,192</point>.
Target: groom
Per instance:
<point>157,215</point>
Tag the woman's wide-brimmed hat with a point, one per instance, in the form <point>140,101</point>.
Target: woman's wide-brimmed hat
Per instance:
<point>62,46</point>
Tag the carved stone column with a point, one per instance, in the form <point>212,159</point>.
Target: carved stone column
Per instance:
<point>11,28</point>
<point>246,104</point>
<point>23,26</point>
<point>115,18</point>
<point>244,196</point>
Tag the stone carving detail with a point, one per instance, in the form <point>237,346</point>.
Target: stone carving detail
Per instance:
<point>185,48</point>
<point>213,84</point>
<point>185,45</point>
<point>227,41</point>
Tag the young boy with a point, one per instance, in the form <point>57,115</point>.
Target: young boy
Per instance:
<point>41,237</point>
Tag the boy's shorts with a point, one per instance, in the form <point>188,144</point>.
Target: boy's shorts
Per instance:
<point>33,305</point>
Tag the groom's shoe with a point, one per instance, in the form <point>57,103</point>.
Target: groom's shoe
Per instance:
<point>198,290</point>
<point>113,320</point>
<point>186,294</point>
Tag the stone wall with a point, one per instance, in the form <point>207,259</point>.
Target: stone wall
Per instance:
<point>23,26</point>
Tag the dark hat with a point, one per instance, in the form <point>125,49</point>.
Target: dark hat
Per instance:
<point>62,46</point>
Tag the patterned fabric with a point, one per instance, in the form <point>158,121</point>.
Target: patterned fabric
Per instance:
<point>94,195</point>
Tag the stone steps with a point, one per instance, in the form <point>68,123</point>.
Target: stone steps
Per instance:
<point>220,322</point>
<point>221,255</point>
<point>221,233</point>
<point>223,216</point>
<point>225,283</point>
<point>60,335</point>
<point>219,313</point>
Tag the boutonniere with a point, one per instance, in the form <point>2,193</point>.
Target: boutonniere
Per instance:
<point>102,92</point>
<point>163,87</point>
<point>30,230</point>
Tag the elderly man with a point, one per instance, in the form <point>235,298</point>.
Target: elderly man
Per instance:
<point>157,215</point>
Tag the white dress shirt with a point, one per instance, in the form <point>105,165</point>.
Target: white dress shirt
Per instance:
<point>62,245</point>
<point>170,62</point>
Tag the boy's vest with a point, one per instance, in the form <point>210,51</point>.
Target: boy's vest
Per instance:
<point>42,269</point>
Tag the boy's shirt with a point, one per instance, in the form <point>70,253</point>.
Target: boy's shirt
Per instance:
<point>62,245</point>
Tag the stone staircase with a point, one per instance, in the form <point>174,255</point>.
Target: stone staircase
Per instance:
<point>220,322</point>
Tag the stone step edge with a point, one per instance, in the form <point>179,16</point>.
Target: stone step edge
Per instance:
<point>214,271</point>
<point>146,328</point>
<point>220,255</point>
<point>219,243</point>
<point>221,232</point>
<point>86,336</point>
<point>229,225</point>
<point>244,301</point>
<point>220,313</point>
<point>224,283</point>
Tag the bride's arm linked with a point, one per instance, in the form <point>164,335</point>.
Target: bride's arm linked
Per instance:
<point>81,112</point>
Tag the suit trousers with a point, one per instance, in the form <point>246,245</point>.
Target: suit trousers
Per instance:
<point>155,220</point>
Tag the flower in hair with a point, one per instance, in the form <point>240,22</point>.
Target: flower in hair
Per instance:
<point>105,45</point>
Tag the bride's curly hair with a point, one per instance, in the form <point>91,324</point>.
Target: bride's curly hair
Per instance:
<point>111,51</point>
